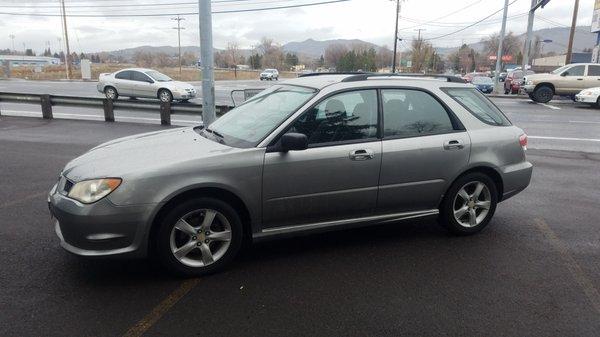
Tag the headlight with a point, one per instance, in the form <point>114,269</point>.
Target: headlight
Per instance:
<point>529,82</point>
<point>90,191</point>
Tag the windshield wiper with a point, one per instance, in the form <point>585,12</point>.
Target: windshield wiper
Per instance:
<point>215,133</point>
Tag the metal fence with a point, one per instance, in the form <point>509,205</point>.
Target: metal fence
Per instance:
<point>109,106</point>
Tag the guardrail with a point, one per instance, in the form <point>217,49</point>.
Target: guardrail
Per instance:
<point>109,106</point>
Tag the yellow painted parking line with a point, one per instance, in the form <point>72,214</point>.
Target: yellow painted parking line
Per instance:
<point>23,199</point>
<point>161,309</point>
<point>569,261</point>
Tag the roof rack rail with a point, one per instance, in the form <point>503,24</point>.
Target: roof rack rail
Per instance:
<point>365,76</point>
<point>333,73</point>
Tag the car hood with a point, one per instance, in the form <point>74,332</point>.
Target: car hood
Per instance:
<point>143,153</point>
<point>538,77</point>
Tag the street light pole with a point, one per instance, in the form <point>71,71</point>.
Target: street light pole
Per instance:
<point>12,37</point>
<point>499,55</point>
<point>179,28</point>
<point>207,59</point>
<point>535,4</point>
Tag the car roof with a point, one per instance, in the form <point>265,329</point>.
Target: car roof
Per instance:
<point>136,69</point>
<point>322,81</point>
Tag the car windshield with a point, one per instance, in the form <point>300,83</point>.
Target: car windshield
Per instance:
<point>482,80</point>
<point>248,124</point>
<point>561,69</point>
<point>159,77</point>
<point>269,71</point>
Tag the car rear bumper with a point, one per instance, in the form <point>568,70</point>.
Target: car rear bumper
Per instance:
<point>101,228</point>
<point>516,178</point>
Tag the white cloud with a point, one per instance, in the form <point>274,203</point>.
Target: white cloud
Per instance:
<point>370,20</point>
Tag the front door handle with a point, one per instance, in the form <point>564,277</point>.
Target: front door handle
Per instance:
<point>453,145</point>
<point>362,154</point>
<point>580,79</point>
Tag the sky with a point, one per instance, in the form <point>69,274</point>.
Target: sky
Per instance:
<point>369,20</point>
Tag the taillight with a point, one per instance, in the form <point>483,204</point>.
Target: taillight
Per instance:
<point>523,141</point>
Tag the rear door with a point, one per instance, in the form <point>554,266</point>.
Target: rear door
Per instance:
<point>424,146</point>
<point>336,177</point>
<point>144,85</point>
<point>125,85</point>
<point>593,76</point>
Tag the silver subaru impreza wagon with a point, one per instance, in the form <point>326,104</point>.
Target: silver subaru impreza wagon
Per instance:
<point>315,153</point>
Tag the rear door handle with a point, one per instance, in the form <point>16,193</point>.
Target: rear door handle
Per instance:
<point>453,145</point>
<point>580,79</point>
<point>362,154</point>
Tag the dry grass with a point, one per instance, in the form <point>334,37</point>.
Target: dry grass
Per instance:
<point>188,74</point>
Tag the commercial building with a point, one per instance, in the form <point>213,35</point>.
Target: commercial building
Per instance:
<point>22,60</point>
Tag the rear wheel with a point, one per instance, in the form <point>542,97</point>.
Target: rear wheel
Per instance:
<point>543,94</point>
<point>597,105</point>
<point>199,237</point>
<point>469,204</point>
<point>111,93</point>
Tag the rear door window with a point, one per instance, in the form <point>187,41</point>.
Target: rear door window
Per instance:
<point>124,75</point>
<point>593,70</point>
<point>411,113</point>
<point>478,105</point>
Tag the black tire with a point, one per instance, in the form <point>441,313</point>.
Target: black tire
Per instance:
<point>109,95</point>
<point>597,105</point>
<point>165,95</point>
<point>543,94</point>
<point>162,242</point>
<point>447,207</point>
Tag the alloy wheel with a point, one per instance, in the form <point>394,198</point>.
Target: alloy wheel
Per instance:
<point>472,204</point>
<point>165,96</point>
<point>200,238</point>
<point>110,93</point>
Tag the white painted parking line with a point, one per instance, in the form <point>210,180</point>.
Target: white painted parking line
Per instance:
<point>550,106</point>
<point>585,122</point>
<point>565,138</point>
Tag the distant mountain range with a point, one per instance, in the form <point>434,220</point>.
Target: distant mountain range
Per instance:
<point>313,48</point>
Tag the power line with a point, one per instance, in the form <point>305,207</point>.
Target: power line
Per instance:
<point>222,3</point>
<point>471,25</point>
<point>444,16</point>
<point>172,14</point>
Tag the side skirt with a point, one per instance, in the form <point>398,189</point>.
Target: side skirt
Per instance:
<point>288,231</point>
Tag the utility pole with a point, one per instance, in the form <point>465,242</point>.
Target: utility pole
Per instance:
<point>12,37</point>
<point>419,30</point>
<point>179,28</point>
<point>396,37</point>
<point>499,55</point>
<point>207,59</point>
<point>572,34</point>
<point>535,4</point>
<point>68,54</point>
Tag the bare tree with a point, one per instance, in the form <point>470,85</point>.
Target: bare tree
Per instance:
<point>334,53</point>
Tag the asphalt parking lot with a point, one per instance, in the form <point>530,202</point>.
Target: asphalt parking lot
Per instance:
<point>533,272</point>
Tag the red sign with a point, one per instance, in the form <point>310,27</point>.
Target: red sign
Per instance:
<point>505,58</point>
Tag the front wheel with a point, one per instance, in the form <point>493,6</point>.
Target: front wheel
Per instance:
<point>111,93</point>
<point>165,95</point>
<point>199,237</point>
<point>543,94</point>
<point>469,204</point>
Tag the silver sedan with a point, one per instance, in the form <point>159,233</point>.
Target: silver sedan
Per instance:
<point>147,83</point>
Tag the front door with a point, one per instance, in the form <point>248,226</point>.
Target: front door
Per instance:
<point>144,85</point>
<point>124,83</point>
<point>573,80</point>
<point>424,147</point>
<point>337,176</point>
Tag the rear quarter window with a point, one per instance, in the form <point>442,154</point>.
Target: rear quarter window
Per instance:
<point>478,105</point>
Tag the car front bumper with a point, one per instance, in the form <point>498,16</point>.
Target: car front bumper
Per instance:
<point>101,228</point>
<point>528,88</point>
<point>592,99</point>
<point>182,95</point>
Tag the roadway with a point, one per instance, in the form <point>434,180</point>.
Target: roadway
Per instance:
<point>88,89</point>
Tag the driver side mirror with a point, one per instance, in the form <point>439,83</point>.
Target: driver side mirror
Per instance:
<point>564,74</point>
<point>293,142</point>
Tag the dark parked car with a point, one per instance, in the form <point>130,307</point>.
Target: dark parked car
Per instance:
<point>484,84</point>
<point>502,76</point>
<point>513,81</point>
